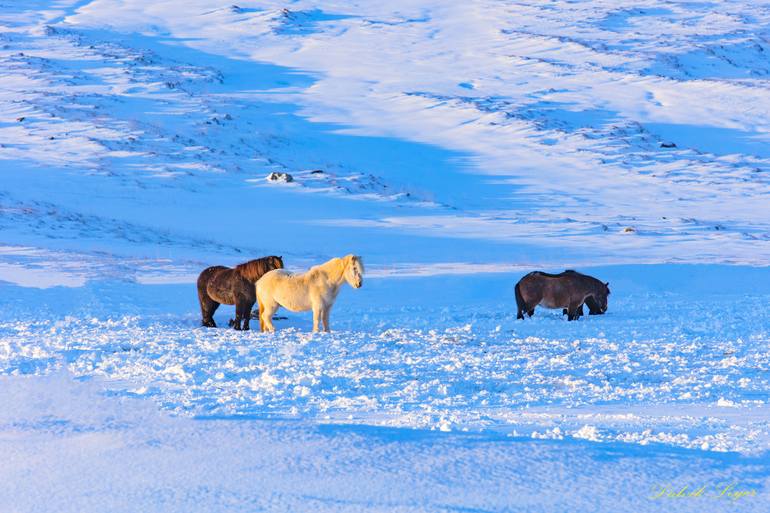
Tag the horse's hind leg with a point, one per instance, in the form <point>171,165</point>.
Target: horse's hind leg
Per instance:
<point>530,307</point>
<point>524,309</point>
<point>268,308</point>
<point>208,307</point>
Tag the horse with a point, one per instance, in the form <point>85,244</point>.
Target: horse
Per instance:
<point>222,285</point>
<point>315,289</point>
<point>568,290</point>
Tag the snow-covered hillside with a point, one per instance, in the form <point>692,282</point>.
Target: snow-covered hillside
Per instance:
<point>456,146</point>
<point>541,133</point>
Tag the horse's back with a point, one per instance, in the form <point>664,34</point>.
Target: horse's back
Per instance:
<point>285,288</point>
<point>211,270</point>
<point>272,277</point>
<point>205,276</point>
<point>226,285</point>
<point>273,280</point>
<point>548,290</point>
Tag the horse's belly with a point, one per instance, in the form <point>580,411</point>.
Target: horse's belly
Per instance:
<point>549,303</point>
<point>295,305</point>
<point>220,294</point>
<point>293,300</point>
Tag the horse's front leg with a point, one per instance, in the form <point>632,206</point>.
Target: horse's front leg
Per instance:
<point>316,317</point>
<point>574,311</point>
<point>246,314</point>
<point>579,312</point>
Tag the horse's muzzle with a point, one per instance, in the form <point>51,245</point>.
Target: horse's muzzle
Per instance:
<point>359,284</point>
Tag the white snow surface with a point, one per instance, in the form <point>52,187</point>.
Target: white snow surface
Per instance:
<point>68,448</point>
<point>660,368</point>
<point>456,146</point>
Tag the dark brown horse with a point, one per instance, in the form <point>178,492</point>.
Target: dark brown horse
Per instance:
<point>223,285</point>
<point>568,290</point>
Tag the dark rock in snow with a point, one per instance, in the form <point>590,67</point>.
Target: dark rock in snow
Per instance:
<point>280,177</point>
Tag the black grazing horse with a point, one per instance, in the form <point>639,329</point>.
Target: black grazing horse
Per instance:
<point>568,290</point>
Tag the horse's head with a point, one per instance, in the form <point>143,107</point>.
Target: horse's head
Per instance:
<point>275,262</point>
<point>601,296</point>
<point>354,271</point>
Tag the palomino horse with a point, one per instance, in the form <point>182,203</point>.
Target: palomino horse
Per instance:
<point>316,289</point>
<point>568,290</point>
<point>222,285</point>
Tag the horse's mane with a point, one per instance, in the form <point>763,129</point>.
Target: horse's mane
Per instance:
<point>254,269</point>
<point>336,265</point>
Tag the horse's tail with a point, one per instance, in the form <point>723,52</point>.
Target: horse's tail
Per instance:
<point>519,299</point>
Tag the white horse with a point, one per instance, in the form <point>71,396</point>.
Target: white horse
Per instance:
<point>316,289</point>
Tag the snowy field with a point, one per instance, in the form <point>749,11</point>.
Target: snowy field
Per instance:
<point>456,146</point>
